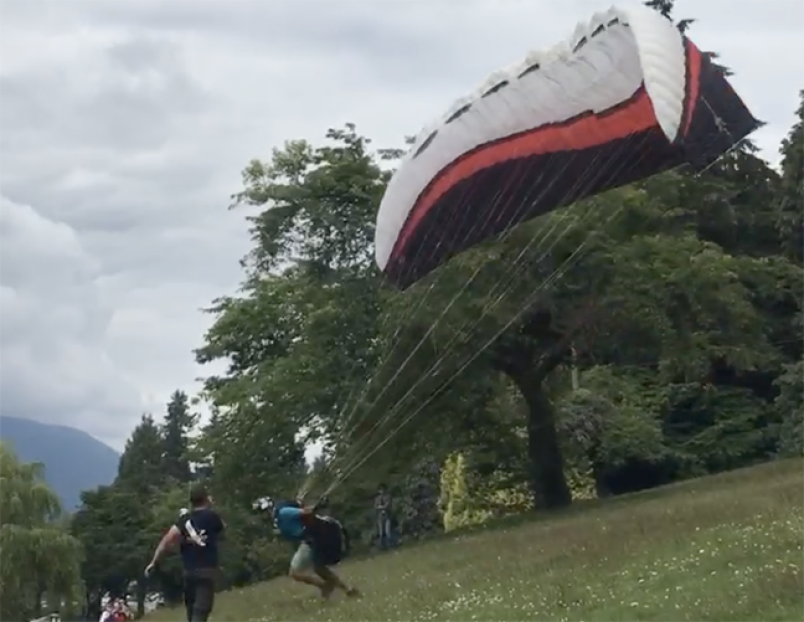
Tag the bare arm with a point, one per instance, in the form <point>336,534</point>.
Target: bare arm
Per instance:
<point>172,537</point>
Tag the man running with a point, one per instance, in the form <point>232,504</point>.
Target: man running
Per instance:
<point>197,532</point>
<point>299,524</point>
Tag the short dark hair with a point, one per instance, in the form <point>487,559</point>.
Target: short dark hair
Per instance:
<point>198,496</point>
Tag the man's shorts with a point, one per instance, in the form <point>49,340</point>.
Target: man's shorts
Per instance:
<point>303,559</point>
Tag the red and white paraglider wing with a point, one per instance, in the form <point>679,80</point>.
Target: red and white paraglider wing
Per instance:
<point>625,97</point>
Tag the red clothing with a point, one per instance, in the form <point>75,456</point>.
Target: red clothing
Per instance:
<point>308,519</point>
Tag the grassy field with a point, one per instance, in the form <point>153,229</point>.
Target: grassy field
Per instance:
<point>729,547</point>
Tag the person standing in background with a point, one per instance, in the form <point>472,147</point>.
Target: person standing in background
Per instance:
<point>383,508</point>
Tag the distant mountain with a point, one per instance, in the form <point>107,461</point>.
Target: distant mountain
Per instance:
<point>75,461</point>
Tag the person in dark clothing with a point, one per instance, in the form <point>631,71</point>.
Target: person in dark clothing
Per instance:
<point>383,508</point>
<point>197,533</point>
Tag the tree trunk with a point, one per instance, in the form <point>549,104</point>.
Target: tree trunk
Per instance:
<point>546,464</point>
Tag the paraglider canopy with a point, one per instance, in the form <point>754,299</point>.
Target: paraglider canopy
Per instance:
<point>625,97</point>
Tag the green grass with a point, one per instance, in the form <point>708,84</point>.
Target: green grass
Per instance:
<point>729,547</point>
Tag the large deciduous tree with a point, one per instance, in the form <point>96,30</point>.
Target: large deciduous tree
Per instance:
<point>299,335</point>
<point>305,335</point>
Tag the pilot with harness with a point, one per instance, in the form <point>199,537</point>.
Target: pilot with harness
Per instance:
<point>322,543</point>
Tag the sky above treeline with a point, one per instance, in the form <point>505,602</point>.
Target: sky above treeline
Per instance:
<point>126,123</point>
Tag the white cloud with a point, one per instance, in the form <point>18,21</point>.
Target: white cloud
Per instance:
<point>54,327</point>
<point>125,125</point>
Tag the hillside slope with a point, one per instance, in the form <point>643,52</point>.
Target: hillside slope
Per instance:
<point>729,547</point>
<point>73,459</point>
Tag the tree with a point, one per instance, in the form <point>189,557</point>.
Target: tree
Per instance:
<point>112,525</point>
<point>611,426</point>
<point>790,403</point>
<point>141,475</point>
<point>418,506</point>
<point>684,309</point>
<point>305,335</point>
<point>675,280</point>
<point>790,217</point>
<point>37,558</point>
<point>142,466</point>
<point>299,335</point>
<point>179,421</point>
<point>314,318</point>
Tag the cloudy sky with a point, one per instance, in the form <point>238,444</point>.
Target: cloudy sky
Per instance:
<point>124,125</point>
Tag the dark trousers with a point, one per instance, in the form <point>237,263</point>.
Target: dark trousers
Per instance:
<point>384,529</point>
<point>199,593</point>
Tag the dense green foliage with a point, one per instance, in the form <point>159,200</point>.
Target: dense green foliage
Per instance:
<point>39,559</point>
<point>644,336</point>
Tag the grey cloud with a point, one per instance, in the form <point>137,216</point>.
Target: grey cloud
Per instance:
<point>104,105</point>
<point>118,158</point>
<point>54,364</point>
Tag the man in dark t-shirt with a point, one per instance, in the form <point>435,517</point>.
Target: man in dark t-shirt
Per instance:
<point>197,532</point>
